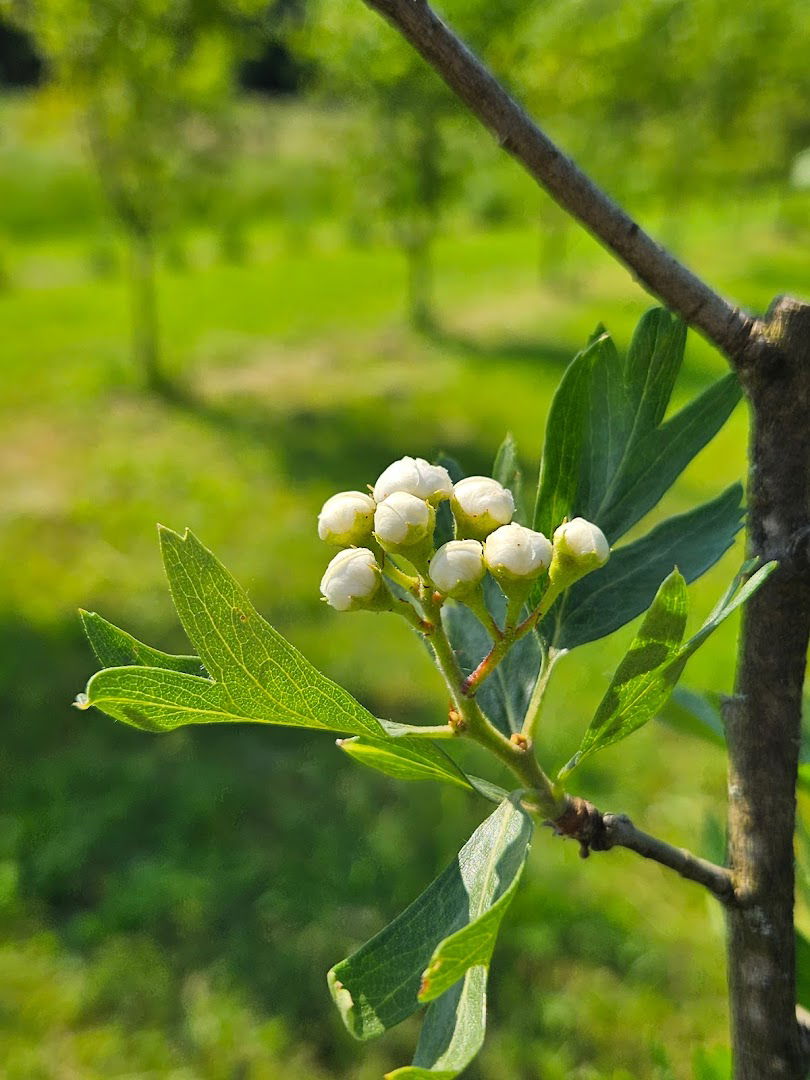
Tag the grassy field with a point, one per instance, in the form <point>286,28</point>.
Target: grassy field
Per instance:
<point>170,905</point>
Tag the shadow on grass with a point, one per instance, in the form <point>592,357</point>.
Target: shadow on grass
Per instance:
<point>328,445</point>
<point>523,350</point>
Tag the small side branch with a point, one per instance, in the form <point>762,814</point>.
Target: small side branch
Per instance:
<point>596,831</point>
<point>654,267</point>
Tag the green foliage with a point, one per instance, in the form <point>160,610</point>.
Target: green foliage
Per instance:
<point>609,457</point>
<point>255,675</point>
<point>116,648</point>
<point>656,659</point>
<point>505,695</point>
<point>446,935</point>
<point>145,75</point>
<point>693,541</point>
<point>595,458</point>
<point>405,759</point>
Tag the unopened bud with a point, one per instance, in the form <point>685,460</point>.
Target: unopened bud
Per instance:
<point>347,518</point>
<point>579,547</point>
<point>352,580</point>
<point>514,553</point>
<point>458,567</point>
<point>416,477</point>
<point>402,521</point>
<point>481,505</point>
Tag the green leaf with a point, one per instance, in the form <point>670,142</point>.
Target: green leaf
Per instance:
<point>445,526</point>
<point>378,986</point>
<point>640,687</point>
<point>558,484</point>
<point>117,648</point>
<point>690,713</point>
<point>608,456</point>
<point>610,597</point>
<point>413,757</point>
<point>802,970</point>
<point>506,470</point>
<point>656,459</point>
<point>505,695</point>
<point>637,690</point>
<point>452,1031</point>
<point>607,427</point>
<point>405,758</point>
<point>255,675</point>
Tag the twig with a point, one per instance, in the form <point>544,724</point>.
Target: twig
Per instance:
<point>596,831</point>
<point>655,268</point>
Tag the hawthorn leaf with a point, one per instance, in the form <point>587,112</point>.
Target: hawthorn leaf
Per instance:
<point>625,586</point>
<point>255,674</point>
<point>655,460</point>
<point>445,527</point>
<point>608,455</point>
<point>690,713</point>
<point>637,689</point>
<point>452,1032</point>
<point>116,648</point>
<point>379,985</point>
<point>506,470</point>
<point>640,688</point>
<point>405,758</point>
<point>558,483</point>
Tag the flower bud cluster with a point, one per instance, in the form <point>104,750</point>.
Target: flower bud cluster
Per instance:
<point>398,519</point>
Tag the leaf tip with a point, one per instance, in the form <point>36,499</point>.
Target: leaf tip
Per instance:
<point>82,701</point>
<point>344,1002</point>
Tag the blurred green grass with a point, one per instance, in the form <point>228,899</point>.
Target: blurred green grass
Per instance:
<point>170,905</point>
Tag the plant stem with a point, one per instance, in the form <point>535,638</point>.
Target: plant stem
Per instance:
<point>532,717</point>
<point>517,755</point>
<point>507,639</point>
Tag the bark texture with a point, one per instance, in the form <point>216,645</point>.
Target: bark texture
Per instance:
<point>763,720</point>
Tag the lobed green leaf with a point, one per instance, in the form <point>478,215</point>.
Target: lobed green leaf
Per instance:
<point>255,674</point>
<point>116,648</point>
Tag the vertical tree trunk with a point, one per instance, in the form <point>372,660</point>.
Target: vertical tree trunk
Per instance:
<point>145,330</point>
<point>420,285</point>
<point>764,718</point>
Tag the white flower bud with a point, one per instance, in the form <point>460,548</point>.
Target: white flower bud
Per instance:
<point>403,520</point>
<point>579,548</point>
<point>480,505</point>
<point>351,580</point>
<point>457,567</point>
<point>347,518</point>
<point>417,477</point>
<point>515,553</point>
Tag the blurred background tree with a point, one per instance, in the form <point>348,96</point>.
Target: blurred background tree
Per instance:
<point>154,85</point>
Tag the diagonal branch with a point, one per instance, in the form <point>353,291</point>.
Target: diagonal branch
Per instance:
<point>596,831</point>
<point>730,329</point>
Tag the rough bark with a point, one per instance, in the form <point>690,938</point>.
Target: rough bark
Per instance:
<point>763,720</point>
